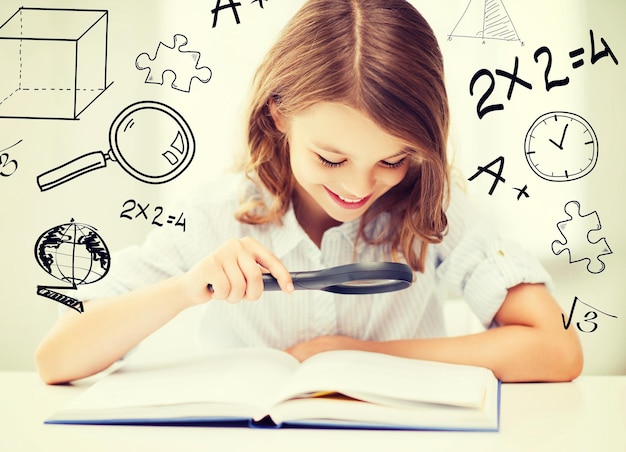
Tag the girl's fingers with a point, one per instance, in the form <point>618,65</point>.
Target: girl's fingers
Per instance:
<point>236,280</point>
<point>219,285</point>
<point>235,271</point>
<point>253,278</point>
<point>269,261</point>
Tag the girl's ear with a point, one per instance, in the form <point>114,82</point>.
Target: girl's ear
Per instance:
<point>279,119</point>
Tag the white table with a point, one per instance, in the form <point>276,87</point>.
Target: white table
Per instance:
<point>588,414</point>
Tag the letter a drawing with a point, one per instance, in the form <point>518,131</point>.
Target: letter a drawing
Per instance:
<point>219,7</point>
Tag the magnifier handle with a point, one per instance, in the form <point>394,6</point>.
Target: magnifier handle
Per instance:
<point>270,283</point>
<point>312,280</point>
<point>74,168</point>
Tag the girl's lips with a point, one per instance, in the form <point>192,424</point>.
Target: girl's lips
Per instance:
<point>347,203</point>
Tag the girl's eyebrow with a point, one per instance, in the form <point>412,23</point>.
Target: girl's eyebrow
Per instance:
<point>333,150</point>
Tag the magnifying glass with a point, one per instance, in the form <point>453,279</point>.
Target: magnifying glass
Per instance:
<point>150,140</point>
<point>354,279</point>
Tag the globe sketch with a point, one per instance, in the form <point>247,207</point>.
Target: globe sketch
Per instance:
<point>73,253</point>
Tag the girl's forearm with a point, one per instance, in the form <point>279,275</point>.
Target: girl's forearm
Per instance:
<point>531,343</point>
<point>514,352</point>
<point>82,344</point>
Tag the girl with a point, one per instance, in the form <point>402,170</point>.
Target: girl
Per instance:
<point>346,162</point>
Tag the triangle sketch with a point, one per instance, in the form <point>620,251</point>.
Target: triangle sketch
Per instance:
<point>485,19</point>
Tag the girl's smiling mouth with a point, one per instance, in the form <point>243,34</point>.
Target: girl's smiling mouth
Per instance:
<point>347,203</point>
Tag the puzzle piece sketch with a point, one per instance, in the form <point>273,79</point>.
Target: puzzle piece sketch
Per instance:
<point>576,232</point>
<point>183,64</point>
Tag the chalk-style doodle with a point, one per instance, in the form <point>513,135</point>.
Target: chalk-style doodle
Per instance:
<point>260,2</point>
<point>150,140</point>
<point>522,192</point>
<point>485,20</point>
<point>53,62</point>
<point>576,232</point>
<point>497,177</point>
<point>233,5</point>
<point>8,165</point>
<point>543,55</point>
<point>561,146</point>
<point>595,56</point>
<point>590,316</point>
<point>158,219</point>
<point>176,60</point>
<point>75,254</point>
<point>218,7</point>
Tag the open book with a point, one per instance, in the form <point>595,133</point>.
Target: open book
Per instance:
<point>265,387</point>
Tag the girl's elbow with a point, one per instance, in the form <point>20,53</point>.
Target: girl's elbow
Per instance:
<point>575,365</point>
<point>44,366</point>
<point>49,365</point>
<point>569,359</point>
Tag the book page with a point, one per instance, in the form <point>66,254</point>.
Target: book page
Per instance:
<point>344,411</point>
<point>388,378</point>
<point>247,377</point>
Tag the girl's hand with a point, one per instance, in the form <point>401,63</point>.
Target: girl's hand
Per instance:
<point>234,272</point>
<point>320,344</point>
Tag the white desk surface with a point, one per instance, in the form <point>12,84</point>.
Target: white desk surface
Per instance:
<point>588,414</point>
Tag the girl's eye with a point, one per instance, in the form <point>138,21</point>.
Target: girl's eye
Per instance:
<point>397,164</point>
<point>328,163</point>
<point>384,163</point>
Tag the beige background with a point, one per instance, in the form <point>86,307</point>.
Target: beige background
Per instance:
<point>214,110</point>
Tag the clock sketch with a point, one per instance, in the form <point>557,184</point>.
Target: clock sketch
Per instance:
<point>561,147</point>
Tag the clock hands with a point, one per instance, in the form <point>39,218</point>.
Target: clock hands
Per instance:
<point>571,156</point>
<point>560,144</point>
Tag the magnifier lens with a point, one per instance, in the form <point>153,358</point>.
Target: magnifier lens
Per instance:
<point>368,283</point>
<point>355,279</point>
<point>151,143</point>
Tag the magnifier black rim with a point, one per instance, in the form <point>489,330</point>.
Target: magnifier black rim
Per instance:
<point>187,136</point>
<point>334,279</point>
<point>365,290</point>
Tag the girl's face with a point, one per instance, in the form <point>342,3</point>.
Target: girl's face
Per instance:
<point>341,160</point>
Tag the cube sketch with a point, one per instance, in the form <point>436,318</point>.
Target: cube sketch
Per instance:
<point>53,62</point>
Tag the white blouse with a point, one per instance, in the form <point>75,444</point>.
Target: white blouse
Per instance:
<point>472,262</point>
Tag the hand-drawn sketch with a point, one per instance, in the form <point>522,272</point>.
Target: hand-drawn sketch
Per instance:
<point>561,147</point>
<point>590,316</point>
<point>73,253</point>
<point>218,7</point>
<point>233,5</point>
<point>485,19</point>
<point>497,177</point>
<point>151,141</point>
<point>522,193</point>
<point>595,56</point>
<point>8,165</point>
<point>181,63</point>
<point>156,215</point>
<point>551,78</point>
<point>576,232</point>
<point>53,62</point>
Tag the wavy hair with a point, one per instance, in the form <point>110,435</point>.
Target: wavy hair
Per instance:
<point>383,59</point>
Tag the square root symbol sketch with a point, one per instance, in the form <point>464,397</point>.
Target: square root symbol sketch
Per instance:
<point>53,62</point>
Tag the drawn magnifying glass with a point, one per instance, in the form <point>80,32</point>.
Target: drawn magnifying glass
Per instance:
<point>150,140</point>
<point>354,279</point>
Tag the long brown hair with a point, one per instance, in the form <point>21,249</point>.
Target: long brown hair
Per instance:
<point>381,58</point>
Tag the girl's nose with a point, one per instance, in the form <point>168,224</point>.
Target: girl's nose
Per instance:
<point>360,185</point>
